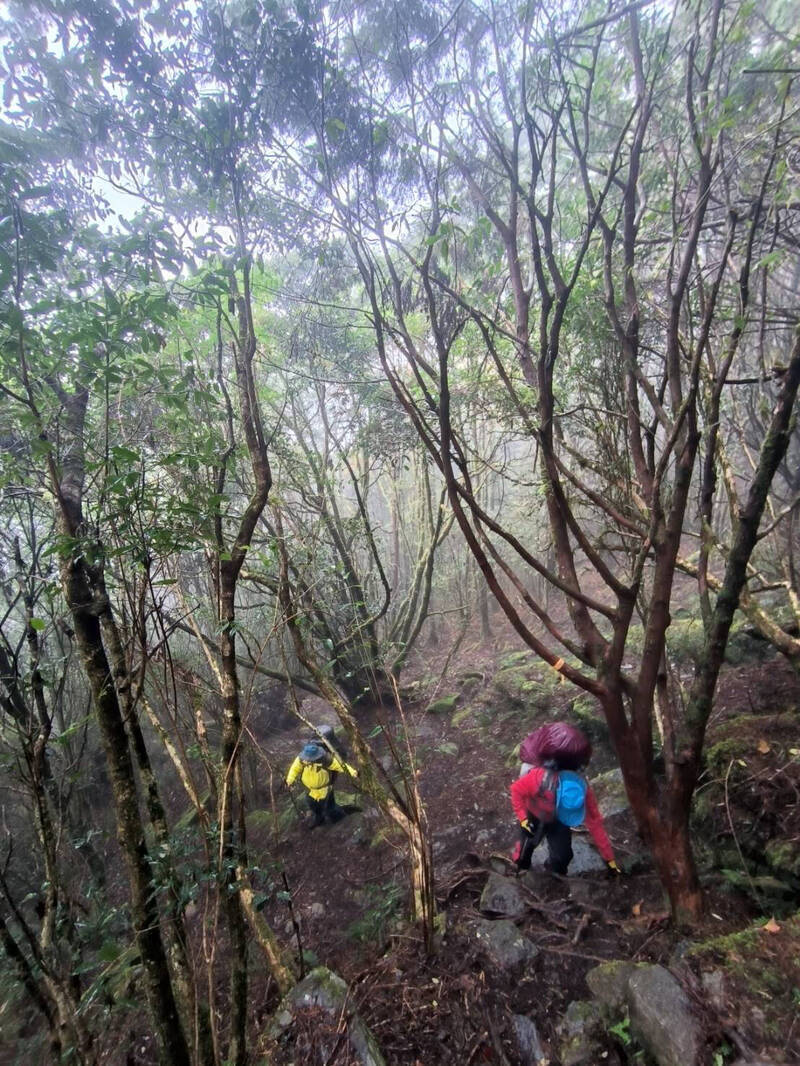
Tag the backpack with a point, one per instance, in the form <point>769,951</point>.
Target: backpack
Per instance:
<point>542,805</point>
<point>570,808</point>
<point>560,741</point>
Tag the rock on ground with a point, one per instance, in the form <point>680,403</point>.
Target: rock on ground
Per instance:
<point>503,943</point>
<point>661,1017</point>
<point>578,1033</point>
<point>531,1052</point>
<point>585,858</point>
<point>502,896</point>
<point>326,990</point>
<point>609,790</point>
<point>609,982</point>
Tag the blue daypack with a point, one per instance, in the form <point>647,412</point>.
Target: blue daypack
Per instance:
<point>570,798</point>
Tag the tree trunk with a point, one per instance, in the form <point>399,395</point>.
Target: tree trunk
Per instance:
<point>194,1012</point>
<point>158,989</point>
<point>233,848</point>
<point>87,602</point>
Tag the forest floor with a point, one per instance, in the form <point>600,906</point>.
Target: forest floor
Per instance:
<point>348,882</point>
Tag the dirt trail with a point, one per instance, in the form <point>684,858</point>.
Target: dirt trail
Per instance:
<point>349,890</point>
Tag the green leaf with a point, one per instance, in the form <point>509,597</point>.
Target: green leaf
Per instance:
<point>109,951</point>
<point>38,624</point>
<point>334,128</point>
<point>124,455</point>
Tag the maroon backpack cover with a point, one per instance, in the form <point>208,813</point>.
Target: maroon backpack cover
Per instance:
<point>560,741</point>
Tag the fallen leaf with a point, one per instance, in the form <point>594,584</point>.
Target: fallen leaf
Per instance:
<point>636,910</point>
<point>771,926</point>
<point>763,746</point>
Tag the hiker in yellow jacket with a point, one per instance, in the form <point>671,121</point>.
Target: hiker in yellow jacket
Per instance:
<point>314,766</point>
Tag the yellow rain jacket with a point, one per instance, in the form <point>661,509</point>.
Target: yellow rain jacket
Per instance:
<point>316,777</point>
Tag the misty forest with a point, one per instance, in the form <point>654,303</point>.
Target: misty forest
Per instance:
<point>380,383</point>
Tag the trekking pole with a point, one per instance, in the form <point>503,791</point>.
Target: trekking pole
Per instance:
<point>297,810</point>
<point>295,925</point>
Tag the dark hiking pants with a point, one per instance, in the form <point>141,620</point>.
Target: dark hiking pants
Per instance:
<point>559,846</point>
<point>326,809</point>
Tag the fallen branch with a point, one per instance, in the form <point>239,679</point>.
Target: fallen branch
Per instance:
<point>581,928</point>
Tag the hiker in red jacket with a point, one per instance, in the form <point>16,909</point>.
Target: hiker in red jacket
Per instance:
<point>553,795</point>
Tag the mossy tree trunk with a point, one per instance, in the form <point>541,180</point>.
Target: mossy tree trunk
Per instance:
<point>88,603</point>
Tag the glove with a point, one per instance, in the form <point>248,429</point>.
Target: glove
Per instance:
<point>613,869</point>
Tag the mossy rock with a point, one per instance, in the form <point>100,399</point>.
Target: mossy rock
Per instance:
<point>280,821</point>
<point>609,789</point>
<point>447,747</point>
<point>472,677</point>
<point>444,705</point>
<point>685,639</point>
<point>322,991</point>
<point>590,718</point>
<point>189,816</point>
<point>581,1033</point>
<point>609,981</point>
<point>745,646</point>
<point>461,716</point>
<point>523,688</point>
<point>516,658</point>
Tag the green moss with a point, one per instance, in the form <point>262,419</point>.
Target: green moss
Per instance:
<point>635,642</point>
<point>742,734</point>
<point>460,717</point>
<point>509,682</point>
<point>515,659</point>
<point>511,755</point>
<point>739,943</point>
<point>443,705</point>
<point>685,639</point>
<point>590,718</point>
<point>525,688</point>
<point>719,755</point>
<point>379,905</point>
<point>755,958</point>
<point>783,856</point>
<point>447,747</point>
